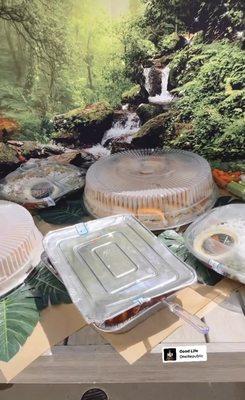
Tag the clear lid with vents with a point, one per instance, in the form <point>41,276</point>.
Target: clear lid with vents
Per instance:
<point>20,245</point>
<point>113,264</point>
<point>40,183</point>
<point>162,188</point>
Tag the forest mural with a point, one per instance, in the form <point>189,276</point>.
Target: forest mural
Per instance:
<point>122,74</point>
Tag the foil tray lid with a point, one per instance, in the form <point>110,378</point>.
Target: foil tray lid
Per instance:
<point>114,263</point>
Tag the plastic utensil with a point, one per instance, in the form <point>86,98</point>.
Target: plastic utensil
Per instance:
<point>191,319</point>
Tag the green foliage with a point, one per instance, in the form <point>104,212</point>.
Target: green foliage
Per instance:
<point>18,318</point>
<point>59,55</point>
<point>170,43</point>
<point>232,141</point>
<point>212,98</point>
<point>216,19</point>
<point>67,212</point>
<point>137,48</point>
<point>47,289</point>
<point>19,310</point>
<point>131,94</point>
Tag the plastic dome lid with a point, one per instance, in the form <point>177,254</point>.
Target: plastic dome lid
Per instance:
<point>162,188</point>
<point>20,245</point>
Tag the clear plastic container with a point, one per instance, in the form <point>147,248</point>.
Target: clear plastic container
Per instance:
<point>162,188</point>
<point>218,239</point>
<point>113,264</point>
<point>20,245</point>
<point>39,183</point>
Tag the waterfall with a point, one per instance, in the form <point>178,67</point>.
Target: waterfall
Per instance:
<point>123,128</point>
<point>98,151</point>
<point>165,96</point>
<point>147,79</point>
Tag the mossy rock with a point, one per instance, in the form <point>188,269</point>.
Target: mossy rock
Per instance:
<point>92,112</point>
<point>83,125</point>
<point>8,160</point>
<point>197,38</point>
<point>148,111</point>
<point>171,43</point>
<point>154,132</point>
<point>135,95</point>
<point>64,137</point>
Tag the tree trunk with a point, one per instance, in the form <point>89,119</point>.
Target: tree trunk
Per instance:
<point>17,64</point>
<point>89,61</point>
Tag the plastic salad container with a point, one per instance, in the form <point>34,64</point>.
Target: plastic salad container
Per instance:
<point>113,265</point>
<point>39,183</point>
<point>218,239</point>
<point>162,188</point>
<point>20,245</point>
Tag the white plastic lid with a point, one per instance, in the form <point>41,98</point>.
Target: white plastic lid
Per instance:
<point>110,265</point>
<point>20,245</point>
<point>162,188</point>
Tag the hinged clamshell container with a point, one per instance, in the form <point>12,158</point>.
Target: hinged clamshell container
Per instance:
<point>20,245</point>
<point>40,183</point>
<point>218,239</point>
<point>113,264</point>
<point>162,188</point>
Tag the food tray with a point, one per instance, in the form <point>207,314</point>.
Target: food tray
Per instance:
<point>20,245</point>
<point>40,183</point>
<point>162,188</point>
<point>218,239</point>
<point>131,322</point>
<point>112,265</point>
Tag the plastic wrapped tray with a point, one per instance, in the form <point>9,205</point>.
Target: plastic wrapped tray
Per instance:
<point>40,183</point>
<point>218,239</point>
<point>113,264</point>
<point>162,188</point>
<point>20,245</point>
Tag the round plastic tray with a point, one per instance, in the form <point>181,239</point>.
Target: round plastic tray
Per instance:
<point>20,245</point>
<point>217,239</point>
<point>162,188</point>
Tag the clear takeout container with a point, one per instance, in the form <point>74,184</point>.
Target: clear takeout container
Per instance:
<point>162,188</point>
<point>20,245</point>
<point>112,265</point>
<point>218,239</point>
<point>40,183</point>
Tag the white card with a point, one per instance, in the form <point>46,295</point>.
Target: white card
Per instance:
<point>190,353</point>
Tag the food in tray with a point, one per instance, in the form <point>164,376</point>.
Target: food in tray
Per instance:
<point>162,188</point>
<point>39,183</point>
<point>218,239</point>
<point>132,312</point>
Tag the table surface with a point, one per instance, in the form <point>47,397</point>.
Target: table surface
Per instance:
<point>86,357</point>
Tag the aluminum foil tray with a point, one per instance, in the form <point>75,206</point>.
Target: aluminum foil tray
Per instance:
<point>112,264</point>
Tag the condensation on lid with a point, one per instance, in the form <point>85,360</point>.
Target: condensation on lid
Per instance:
<point>163,188</point>
<point>112,264</point>
<point>20,245</point>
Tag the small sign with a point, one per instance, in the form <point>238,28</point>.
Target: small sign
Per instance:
<point>189,353</point>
